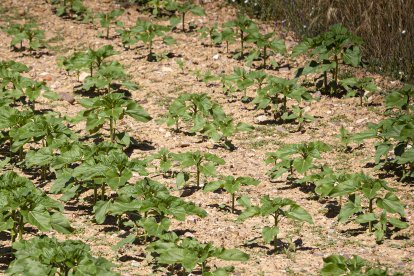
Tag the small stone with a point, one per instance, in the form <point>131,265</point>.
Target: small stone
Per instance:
<point>83,76</point>
<point>47,78</point>
<point>166,69</point>
<point>55,85</point>
<point>307,109</point>
<point>63,96</point>
<point>188,235</point>
<point>360,121</point>
<point>260,119</point>
<point>167,135</point>
<point>317,95</point>
<point>135,264</point>
<point>216,56</point>
<point>281,129</point>
<point>284,69</point>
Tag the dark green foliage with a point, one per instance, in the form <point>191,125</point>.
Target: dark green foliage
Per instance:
<point>328,50</point>
<point>48,256</point>
<point>336,265</point>
<point>110,109</point>
<point>106,19</point>
<point>74,9</point>
<point>205,117</point>
<point>29,32</point>
<point>190,253</point>
<point>147,207</point>
<point>278,208</point>
<point>22,203</point>
<point>230,185</point>
<point>295,157</point>
<point>183,9</point>
<point>394,135</point>
<point>204,163</point>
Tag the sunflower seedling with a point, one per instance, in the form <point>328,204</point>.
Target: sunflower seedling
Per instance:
<point>230,185</point>
<point>23,204</point>
<point>242,23</point>
<point>359,87</point>
<point>204,163</point>
<point>278,208</point>
<point>299,157</point>
<point>147,31</point>
<point>29,32</point>
<point>48,256</point>
<point>72,9</point>
<point>329,49</point>
<point>184,8</point>
<point>106,19</point>
<point>110,109</point>
<point>190,253</point>
<point>371,190</point>
<point>337,265</point>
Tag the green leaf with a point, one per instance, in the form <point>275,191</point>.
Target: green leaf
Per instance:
<point>302,165</point>
<point>39,218</point>
<point>60,223</point>
<point>101,209</point>
<point>212,186</point>
<point>232,255</point>
<point>364,218</point>
<point>391,203</point>
<point>398,223</point>
<point>128,240</point>
<point>298,213</point>
<point>269,233</point>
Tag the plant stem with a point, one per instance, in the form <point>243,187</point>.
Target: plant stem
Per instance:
<point>336,71</point>
<point>14,231</point>
<point>275,237</point>
<point>111,129</point>
<point>232,202</point>
<point>264,56</point>
<point>21,225</point>
<point>325,81</point>
<point>183,22</point>
<point>242,42</point>
<point>370,210</point>
<point>103,192</point>
<point>198,176</point>
<point>107,32</point>
<point>95,194</point>
<point>227,47</point>
<point>150,48</point>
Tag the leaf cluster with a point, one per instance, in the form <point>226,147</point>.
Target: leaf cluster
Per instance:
<point>295,157</point>
<point>190,253</point>
<point>205,117</point>
<point>29,31</point>
<point>278,208</point>
<point>74,9</point>
<point>328,50</point>
<point>48,256</point>
<point>336,265</point>
<point>22,203</point>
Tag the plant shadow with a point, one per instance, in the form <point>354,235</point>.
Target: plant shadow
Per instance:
<point>188,191</point>
<point>224,208</point>
<point>6,257</point>
<point>333,209</point>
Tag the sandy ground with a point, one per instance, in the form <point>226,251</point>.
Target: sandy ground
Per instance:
<point>162,81</point>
